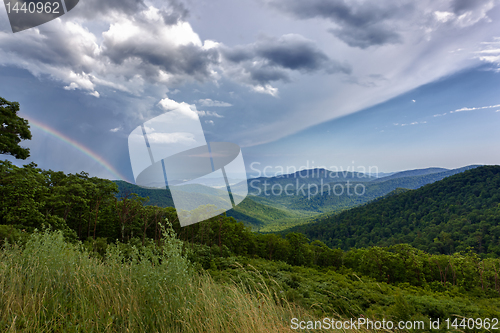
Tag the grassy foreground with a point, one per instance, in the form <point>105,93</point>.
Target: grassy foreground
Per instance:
<point>48,285</point>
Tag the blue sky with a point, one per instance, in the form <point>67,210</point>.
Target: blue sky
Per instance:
<point>345,84</point>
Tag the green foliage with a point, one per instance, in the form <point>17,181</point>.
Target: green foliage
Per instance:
<point>352,295</point>
<point>79,205</point>
<point>63,287</point>
<point>50,285</point>
<point>13,129</point>
<point>11,235</point>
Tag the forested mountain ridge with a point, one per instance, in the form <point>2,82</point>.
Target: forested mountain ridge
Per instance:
<point>416,172</point>
<point>310,176</point>
<point>326,200</point>
<point>413,179</point>
<point>453,214</point>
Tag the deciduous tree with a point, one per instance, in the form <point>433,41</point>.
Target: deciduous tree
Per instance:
<point>13,129</point>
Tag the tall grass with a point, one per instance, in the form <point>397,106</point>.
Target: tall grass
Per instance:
<point>49,285</point>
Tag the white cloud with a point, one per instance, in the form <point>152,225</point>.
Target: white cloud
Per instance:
<point>209,113</point>
<point>412,123</point>
<point>211,122</point>
<point>116,129</point>
<point>183,108</point>
<point>210,44</point>
<point>168,138</point>
<point>476,108</point>
<point>208,102</point>
<point>267,89</point>
<point>490,52</point>
<point>444,16</point>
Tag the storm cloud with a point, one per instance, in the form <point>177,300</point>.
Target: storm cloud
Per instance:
<point>119,44</point>
<point>359,24</point>
<point>271,59</point>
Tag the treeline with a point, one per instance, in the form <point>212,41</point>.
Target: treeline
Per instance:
<point>448,216</point>
<point>81,206</point>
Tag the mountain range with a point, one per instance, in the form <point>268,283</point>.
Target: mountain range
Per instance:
<point>276,203</point>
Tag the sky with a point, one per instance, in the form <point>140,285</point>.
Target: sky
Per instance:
<point>394,85</point>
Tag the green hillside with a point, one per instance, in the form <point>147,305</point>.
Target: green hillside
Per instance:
<point>454,214</point>
<point>256,215</point>
<point>265,218</point>
<point>159,197</point>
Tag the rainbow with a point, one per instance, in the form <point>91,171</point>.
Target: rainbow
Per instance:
<point>58,135</point>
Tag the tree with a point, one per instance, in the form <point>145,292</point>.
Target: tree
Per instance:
<point>13,129</point>
<point>299,254</point>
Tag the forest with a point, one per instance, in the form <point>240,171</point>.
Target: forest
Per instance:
<point>452,215</point>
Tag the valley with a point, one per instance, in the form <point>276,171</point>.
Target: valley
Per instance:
<point>305,196</point>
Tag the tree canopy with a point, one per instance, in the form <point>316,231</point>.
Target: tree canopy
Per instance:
<point>13,130</point>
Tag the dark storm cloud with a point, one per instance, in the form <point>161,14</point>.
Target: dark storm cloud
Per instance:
<point>268,59</point>
<point>295,54</point>
<point>190,60</point>
<point>359,24</point>
<point>238,54</point>
<point>263,75</point>
<point>363,37</point>
<point>461,6</point>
